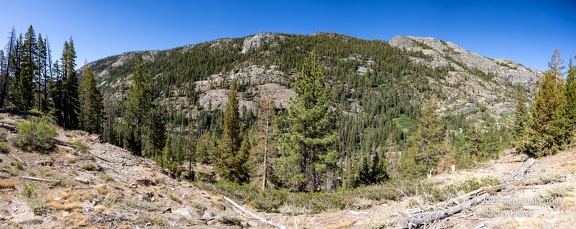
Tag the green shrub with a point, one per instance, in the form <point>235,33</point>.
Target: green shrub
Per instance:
<point>4,147</point>
<point>29,189</point>
<point>37,205</point>
<point>3,135</point>
<point>19,165</point>
<point>105,177</point>
<point>36,134</point>
<point>89,166</point>
<point>80,145</point>
<point>558,190</point>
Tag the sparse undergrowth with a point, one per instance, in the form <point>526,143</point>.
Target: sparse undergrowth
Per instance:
<point>36,134</point>
<point>295,203</point>
<point>556,191</point>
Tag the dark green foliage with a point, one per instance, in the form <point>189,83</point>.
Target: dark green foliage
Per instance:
<point>520,122</point>
<point>25,85</point>
<point>571,99</point>
<point>369,108</point>
<point>136,107</point>
<point>547,125</point>
<point>91,107</point>
<point>230,162</point>
<point>426,144</point>
<point>36,134</point>
<point>69,85</point>
<point>309,130</point>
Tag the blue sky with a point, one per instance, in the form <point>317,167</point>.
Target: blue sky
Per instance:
<point>523,31</point>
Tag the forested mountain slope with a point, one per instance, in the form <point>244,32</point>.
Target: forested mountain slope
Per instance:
<point>379,87</point>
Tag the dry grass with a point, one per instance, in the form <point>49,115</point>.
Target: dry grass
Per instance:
<point>99,208</point>
<point>65,193</point>
<point>87,195</point>
<point>75,220</point>
<point>7,184</point>
<point>102,189</point>
<point>344,224</point>
<point>527,223</point>
<point>63,207</point>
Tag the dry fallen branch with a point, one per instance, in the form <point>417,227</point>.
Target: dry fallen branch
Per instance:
<point>60,142</point>
<point>37,179</point>
<point>438,215</point>
<point>20,160</point>
<point>9,127</point>
<point>481,194</point>
<point>255,216</point>
<point>14,111</point>
<point>521,171</point>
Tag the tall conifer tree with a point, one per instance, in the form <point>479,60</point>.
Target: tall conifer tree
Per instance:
<point>547,121</point>
<point>29,71</point>
<point>137,105</point>
<point>231,161</point>
<point>571,99</point>
<point>309,127</point>
<point>520,123</point>
<point>426,145</point>
<point>91,108</point>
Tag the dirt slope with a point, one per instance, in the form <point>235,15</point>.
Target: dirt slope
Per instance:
<point>104,186</point>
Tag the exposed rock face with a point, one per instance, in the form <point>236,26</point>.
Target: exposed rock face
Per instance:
<point>256,41</point>
<point>488,82</point>
<point>474,84</point>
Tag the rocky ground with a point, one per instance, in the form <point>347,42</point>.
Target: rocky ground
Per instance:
<point>104,186</point>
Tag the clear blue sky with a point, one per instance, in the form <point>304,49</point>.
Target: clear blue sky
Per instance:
<point>524,31</point>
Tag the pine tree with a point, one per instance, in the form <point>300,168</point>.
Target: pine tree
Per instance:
<point>15,67</point>
<point>520,123</point>
<point>29,71</point>
<point>426,144</point>
<point>56,89</point>
<point>91,107</point>
<point>547,124</point>
<point>64,88</point>
<point>7,68</point>
<point>309,129</point>
<point>136,107</point>
<point>230,164</point>
<point>266,133</point>
<point>556,64</point>
<point>43,74</point>
<point>571,99</point>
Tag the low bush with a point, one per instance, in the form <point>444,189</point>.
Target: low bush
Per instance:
<point>37,205</point>
<point>4,147</point>
<point>81,146</point>
<point>556,191</point>
<point>29,189</point>
<point>36,134</point>
<point>89,166</point>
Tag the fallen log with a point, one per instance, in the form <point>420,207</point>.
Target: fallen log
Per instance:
<point>438,215</point>
<point>15,111</point>
<point>37,179</point>
<point>20,160</point>
<point>62,143</point>
<point>521,171</point>
<point>9,127</point>
<point>255,216</point>
<point>417,222</point>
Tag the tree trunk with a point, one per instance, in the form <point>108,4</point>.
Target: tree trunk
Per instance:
<point>330,181</point>
<point>265,172</point>
<point>310,173</point>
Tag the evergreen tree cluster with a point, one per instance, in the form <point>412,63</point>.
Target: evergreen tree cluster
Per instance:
<point>344,129</point>
<point>549,124</point>
<point>30,79</point>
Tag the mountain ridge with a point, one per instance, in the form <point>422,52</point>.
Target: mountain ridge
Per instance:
<point>435,53</point>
